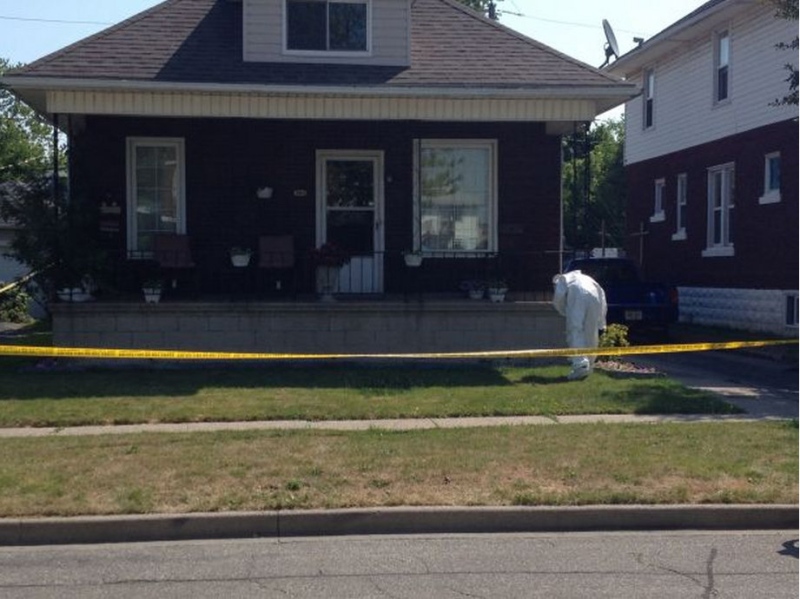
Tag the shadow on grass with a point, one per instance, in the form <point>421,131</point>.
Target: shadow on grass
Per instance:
<point>59,383</point>
<point>657,399</point>
<point>547,378</point>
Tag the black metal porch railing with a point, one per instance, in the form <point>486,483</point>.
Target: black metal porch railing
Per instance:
<point>210,273</point>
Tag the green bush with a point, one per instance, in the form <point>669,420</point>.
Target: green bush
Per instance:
<point>14,305</point>
<point>615,335</point>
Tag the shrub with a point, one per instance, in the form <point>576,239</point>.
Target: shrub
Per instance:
<point>615,335</point>
<point>14,305</point>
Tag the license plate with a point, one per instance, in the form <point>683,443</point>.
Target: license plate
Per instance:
<point>633,314</point>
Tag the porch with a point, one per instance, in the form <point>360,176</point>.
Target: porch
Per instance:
<point>388,325</point>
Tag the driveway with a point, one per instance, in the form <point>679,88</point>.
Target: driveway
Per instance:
<point>762,386</point>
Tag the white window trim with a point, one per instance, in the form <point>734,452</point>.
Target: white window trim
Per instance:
<point>659,188</point>
<point>771,196</point>
<point>718,35</point>
<point>726,248</point>
<point>328,53</point>
<point>791,297</point>
<point>649,95</point>
<point>491,144</point>
<point>131,144</point>
<point>681,203</point>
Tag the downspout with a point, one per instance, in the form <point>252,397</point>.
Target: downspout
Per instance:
<point>56,181</point>
<point>561,207</point>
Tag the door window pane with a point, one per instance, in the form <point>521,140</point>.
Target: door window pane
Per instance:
<point>351,231</point>
<point>350,205</point>
<point>350,184</point>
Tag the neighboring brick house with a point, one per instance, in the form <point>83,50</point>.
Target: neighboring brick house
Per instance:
<point>712,165</point>
<point>385,126</point>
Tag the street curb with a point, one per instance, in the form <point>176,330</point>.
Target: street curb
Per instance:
<point>393,520</point>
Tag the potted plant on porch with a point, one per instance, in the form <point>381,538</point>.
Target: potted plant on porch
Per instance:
<point>413,259</point>
<point>497,289</point>
<point>152,291</point>
<point>475,289</point>
<point>328,259</point>
<point>240,256</point>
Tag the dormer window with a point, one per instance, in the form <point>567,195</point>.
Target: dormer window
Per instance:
<point>327,25</point>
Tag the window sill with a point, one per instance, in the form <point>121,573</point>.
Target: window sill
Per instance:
<point>771,197</point>
<point>719,252</point>
<point>328,53</point>
<point>679,236</point>
<point>658,217</point>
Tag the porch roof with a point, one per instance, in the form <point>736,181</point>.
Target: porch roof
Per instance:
<point>197,45</point>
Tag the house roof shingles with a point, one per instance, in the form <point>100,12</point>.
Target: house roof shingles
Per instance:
<point>200,41</point>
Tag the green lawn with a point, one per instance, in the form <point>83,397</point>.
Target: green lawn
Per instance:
<point>62,397</point>
<point>713,462</point>
<point>564,464</point>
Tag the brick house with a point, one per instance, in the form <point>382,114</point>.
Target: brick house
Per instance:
<point>712,165</point>
<point>390,128</point>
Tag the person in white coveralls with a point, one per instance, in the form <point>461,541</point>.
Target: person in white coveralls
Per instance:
<point>582,301</point>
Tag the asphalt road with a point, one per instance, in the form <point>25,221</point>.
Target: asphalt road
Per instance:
<point>639,565</point>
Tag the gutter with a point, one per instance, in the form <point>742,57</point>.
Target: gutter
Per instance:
<point>610,91</point>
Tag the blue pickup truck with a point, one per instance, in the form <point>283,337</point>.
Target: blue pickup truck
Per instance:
<point>631,301</point>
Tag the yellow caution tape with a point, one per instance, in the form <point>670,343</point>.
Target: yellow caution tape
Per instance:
<point>153,354</point>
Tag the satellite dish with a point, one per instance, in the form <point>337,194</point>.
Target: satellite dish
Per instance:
<point>612,48</point>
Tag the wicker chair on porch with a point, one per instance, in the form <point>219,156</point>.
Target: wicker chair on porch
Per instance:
<point>174,256</point>
<point>276,257</point>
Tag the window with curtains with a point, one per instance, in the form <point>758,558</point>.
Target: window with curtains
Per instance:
<point>456,201</point>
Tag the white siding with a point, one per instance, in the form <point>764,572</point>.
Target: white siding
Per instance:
<point>685,114</point>
<point>263,35</point>
<point>300,106</point>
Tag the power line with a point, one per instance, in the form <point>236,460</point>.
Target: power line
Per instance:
<point>559,22</point>
<point>56,21</point>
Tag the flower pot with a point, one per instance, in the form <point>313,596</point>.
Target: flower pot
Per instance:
<point>497,295</point>
<point>73,294</point>
<point>152,295</point>
<point>413,260</point>
<point>475,294</point>
<point>327,281</point>
<point>240,260</point>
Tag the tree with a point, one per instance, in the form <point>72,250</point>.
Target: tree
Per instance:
<point>55,239</point>
<point>486,7</point>
<point>594,187</point>
<point>25,146</point>
<point>787,9</point>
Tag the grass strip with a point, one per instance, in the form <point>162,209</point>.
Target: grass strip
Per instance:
<point>59,397</point>
<point>578,464</point>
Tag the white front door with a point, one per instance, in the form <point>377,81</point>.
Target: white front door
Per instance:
<point>350,214</point>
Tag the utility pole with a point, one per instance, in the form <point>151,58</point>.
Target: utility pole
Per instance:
<point>641,235</point>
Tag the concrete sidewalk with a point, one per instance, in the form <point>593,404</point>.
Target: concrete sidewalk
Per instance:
<point>363,425</point>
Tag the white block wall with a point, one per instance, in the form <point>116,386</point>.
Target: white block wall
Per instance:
<point>760,310</point>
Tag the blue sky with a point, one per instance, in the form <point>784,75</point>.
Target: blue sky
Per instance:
<point>34,28</point>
